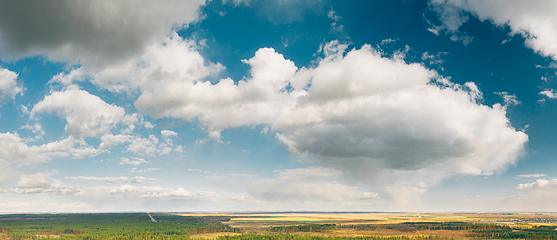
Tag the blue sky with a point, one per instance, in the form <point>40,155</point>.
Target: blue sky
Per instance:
<point>247,105</point>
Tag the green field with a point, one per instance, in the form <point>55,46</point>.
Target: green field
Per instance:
<point>106,226</point>
<point>316,226</point>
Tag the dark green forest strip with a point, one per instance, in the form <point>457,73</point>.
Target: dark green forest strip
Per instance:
<point>107,226</point>
<point>169,226</point>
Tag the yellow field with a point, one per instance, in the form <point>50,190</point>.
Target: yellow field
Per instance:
<point>258,223</point>
<point>277,219</point>
<point>212,235</point>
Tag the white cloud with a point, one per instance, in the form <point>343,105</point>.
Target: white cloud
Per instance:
<point>135,162</point>
<point>143,179</point>
<point>168,133</point>
<point>534,196</point>
<point>549,93</point>
<point>535,175</point>
<point>14,149</point>
<point>380,121</point>
<point>301,184</point>
<point>148,146</point>
<point>41,206</point>
<point>135,170</point>
<point>8,84</point>
<point>114,179</point>
<point>108,140</point>
<point>539,184</point>
<point>308,173</point>
<point>86,115</point>
<point>39,180</point>
<point>92,34</point>
<point>172,61</point>
<point>160,192</point>
<point>179,149</point>
<point>280,190</point>
<point>334,26</point>
<point>36,128</point>
<point>227,176</point>
<point>171,86</point>
<point>386,41</point>
<point>107,197</point>
<point>509,100</point>
<point>42,183</point>
<point>67,79</point>
<point>534,20</point>
<point>433,59</point>
<point>98,179</point>
<point>376,118</point>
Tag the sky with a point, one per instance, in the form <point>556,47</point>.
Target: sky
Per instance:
<point>279,105</point>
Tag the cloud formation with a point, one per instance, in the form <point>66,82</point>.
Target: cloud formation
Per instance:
<point>114,180</point>
<point>9,87</point>
<point>392,126</point>
<point>92,34</point>
<point>371,117</point>
<point>86,115</point>
<point>44,184</point>
<point>134,162</point>
<point>15,149</point>
<point>534,20</point>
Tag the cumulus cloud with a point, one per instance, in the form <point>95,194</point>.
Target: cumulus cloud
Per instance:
<point>86,115</point>
<point>92,34</point>
<point>108,197</point>
<point>534,20</point>
<point>14,149</point>
<point>167,133</point>
<point>143,170</point>
<point>534,196</point>
<point>135,162</point>
<point>108,140</point>
<point>36,128</point>
<point>363,112</point>
<point>535,175</point>
<point>98,179</point>
<point>42,183</point>
<point>8,84</point>
<point>114,179</point>
<point>33,206</point>
<point>539,184</point>
<point>148,146</point>
<point>143,179</point>
<point>549,93</point>
<point>225,104</point>
<point>371,117</point>
<point>160,192</point>
<point>167,62</point>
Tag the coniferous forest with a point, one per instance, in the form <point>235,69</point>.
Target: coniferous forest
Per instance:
<point>170,226</point>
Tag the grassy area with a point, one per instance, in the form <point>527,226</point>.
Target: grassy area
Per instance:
<point>314,226</point>
<point>107,226</point>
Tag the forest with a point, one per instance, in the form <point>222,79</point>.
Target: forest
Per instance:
<point>172,226</point>
<point>107,226</point>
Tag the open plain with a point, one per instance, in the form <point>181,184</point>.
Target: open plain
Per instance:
<point>279,225</point>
